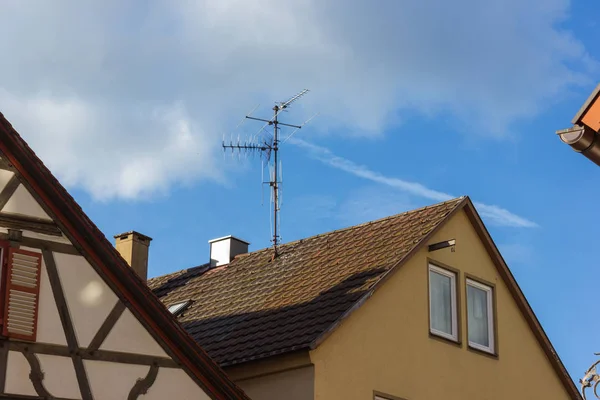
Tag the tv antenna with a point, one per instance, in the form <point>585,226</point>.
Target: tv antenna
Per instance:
<point>268,145</point>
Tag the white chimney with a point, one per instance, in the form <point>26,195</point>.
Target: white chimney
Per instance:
<point>224,249</point>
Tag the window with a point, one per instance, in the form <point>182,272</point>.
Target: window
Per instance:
<point>20,285</point>
<point>443,320</point>
<point>178,308</point>
<point>480,316</point>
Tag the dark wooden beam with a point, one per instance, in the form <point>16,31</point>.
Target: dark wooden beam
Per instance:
<point>142,385</point>
<point>65,319</point>
<point>42,244</point>
<point>9,190</point>
<point>3,365</point>
<point>26,223</point>
<point>107,325</point>
<point>5,165</point>
<point>94,355</point>
<point>40,348</point>
<point>128,358</point>
<point>25,397</point>
<point>36,375</point>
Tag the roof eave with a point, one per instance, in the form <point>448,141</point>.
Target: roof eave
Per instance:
<point>588,103</point>
<point>521,301</point>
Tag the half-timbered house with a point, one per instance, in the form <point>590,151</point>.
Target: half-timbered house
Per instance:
<point>76,321</point>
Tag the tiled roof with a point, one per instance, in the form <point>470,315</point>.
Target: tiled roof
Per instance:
<point>255,306</point>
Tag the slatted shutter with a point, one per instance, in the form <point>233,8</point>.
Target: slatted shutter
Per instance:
<point>22,294</point>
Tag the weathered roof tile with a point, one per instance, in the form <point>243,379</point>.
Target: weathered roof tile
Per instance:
<point>255,306</point>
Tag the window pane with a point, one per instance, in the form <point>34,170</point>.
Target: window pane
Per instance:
<point>477,305</point>
<point>441,302</point>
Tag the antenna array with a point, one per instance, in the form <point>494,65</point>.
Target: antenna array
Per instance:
<point>268,145</point>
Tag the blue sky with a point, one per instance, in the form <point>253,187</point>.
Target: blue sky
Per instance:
<point>418,100</point>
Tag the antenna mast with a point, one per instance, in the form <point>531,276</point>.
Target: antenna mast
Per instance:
<point>268,147</point>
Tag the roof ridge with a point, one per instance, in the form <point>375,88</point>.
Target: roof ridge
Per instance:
<point>375,221</point>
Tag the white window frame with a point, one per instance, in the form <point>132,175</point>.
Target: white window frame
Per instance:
<point>490,313</point>
<point>453,299</point>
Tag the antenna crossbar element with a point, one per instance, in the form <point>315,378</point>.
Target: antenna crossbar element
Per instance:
<point>269,121</point>
<point>268,147</point>
<point>290,125</point>
<point>246,147</point>
<point>285,104</point>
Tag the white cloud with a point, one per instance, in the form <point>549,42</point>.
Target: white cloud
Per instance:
<point>87,151</point>
<point>85,82</point>
<point>494,214</point>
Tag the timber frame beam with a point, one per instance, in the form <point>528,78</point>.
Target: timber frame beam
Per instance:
<point>93,355</point>
<point>25,397</point>
<point>39,225</point>
<point>42,244</point>
<point>67,324</point>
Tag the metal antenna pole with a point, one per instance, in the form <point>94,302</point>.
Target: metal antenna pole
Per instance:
<point>268,146</point>
<point>275,183</point>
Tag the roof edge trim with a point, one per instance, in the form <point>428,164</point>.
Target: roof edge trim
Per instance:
<point>321,338</point>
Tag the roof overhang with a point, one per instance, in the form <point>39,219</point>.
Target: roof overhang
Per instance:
<point>589,113</point>
<point>583,136</point>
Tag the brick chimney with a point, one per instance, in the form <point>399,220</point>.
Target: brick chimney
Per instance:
<point>133,247</point>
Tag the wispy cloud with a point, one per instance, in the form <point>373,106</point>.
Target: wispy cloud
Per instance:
<point>493,213</point>
<point>89,82</point>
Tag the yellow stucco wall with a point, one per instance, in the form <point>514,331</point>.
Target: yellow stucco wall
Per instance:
<point>295,384</point>
<point>385,344</point>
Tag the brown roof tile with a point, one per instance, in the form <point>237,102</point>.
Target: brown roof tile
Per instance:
<point>256,307</point>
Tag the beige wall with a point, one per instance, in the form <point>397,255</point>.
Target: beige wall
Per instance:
<point>385,344</point>
<point>296,384</point>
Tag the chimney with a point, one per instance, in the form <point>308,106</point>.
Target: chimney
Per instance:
<point>133,247</point>
<point>224,249</point>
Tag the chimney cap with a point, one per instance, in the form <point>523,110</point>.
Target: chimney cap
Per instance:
<point>134,233</point>
<point>228,237</point>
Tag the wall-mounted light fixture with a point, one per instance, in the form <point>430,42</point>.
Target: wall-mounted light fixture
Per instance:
<point>443,245</point>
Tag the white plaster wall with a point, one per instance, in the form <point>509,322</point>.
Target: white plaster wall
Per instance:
<point>4,178</point>
<point>22,202</point>
<point>17,375</point>
<point>89,299</point>
<point>49,329</point>
<point>111,381</point>
<point>59,376</point>
<point>130,336</point>
<point>175,384</point>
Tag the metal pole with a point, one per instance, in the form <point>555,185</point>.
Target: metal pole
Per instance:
<point>275,182</point>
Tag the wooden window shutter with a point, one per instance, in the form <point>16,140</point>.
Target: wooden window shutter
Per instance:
<point>22,294</point>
